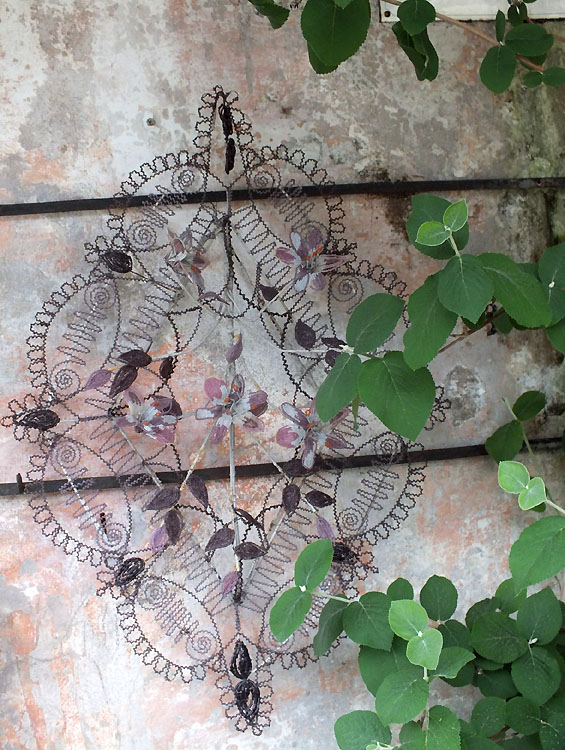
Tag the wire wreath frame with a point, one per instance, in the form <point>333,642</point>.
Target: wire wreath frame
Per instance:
<point>195,566</point>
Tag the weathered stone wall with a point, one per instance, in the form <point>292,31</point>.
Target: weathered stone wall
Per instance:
<point>92,90</point>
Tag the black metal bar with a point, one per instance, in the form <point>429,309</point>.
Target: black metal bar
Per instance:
<point>403,187</point>
<point>251,471</point>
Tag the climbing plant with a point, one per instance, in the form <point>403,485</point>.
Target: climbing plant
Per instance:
<point>334,30</point>
<point>511,646</point>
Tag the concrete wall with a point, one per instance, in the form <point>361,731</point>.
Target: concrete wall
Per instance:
<point>92,90</point>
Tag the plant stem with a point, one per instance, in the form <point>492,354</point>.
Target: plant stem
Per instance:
<point>462,336</point>
<point>323,595</point>
<point>454,245</point>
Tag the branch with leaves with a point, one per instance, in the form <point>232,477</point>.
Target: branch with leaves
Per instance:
<point>335,30</point>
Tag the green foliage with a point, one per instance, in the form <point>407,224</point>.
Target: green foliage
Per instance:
<point>497,69</point>
<point>536,675</point>
<point>539,551</point>
<point>400,397</point>
<point>451,660</point>
<point>340,386</point>
<point>424,649</point>
<point>529,40</point>
<point>407,618</point>
<point>519,292</point>
<point>288,613</point>
<point>528,405</point>
<point>400,589</point>
<point>313,564</point>
<point>533,495</point>
<point>551,269</point>
<point>522,715</point>
<point>276,14</point>
<point>506,442</point>
<point>464,287</point>
<point>372,322</point>
<point>359,729</point>
<point>366,621</point>
<point>415,15</point>
<point>439,598</point>
<point>513,476</point>
<point>430,324</point>
<point>401,696</point>
<point>335,33</point>
<point>330,627</point>
<point>495,636</point>
<point>488,716</point>
<point>539,618</point>
<point>432,208</point>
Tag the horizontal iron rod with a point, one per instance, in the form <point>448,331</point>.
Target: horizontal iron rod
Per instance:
<point>250,471</point>
<point>403,187</point>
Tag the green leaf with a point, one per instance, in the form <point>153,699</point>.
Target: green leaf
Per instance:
<point>498,684</point>
<point>500,25</point>
<point>400,589</point>
<point>407,618</point>
<point>430,324</point>
<point>506,442</point>
<point>451,660</point>
<point>513,476</point>
<point>464,287</point>
<point>456,215</point>
<point>415,15</point>
<point>464,677</point>
<point>522,715</point>
<point>507,598</point>
<point>533,495</point>
<point>497,69</point>
<point>536,674</point>
<point>340,386</point>
<point>551,269</point>
<point>455,634</point>
<point>406,44</point>
<point>474,742</point>
<point>528,405</point>
<point>518,291</point>
<point>330,627</point>
<point>342,3</point>
<point>488,716</point>
<point>313,564</point>
<point>373,321</point>
<point>528,39</point>
<point>401,697</point>
<point>276,14</point>
<point>400,397</point>
<point>335,33</point>
<point>539,617</point>
<point>477,609</point>
<point>424,46</point>
<point>556,334</point>
<point>439,598</point>
<point>552,730</point>
<point>443,731</point>
<point>424,650</point>
<point>288,613</point>
<point>427,207</point>
<point>554,76</point>
<point>495,636</point>
<point>432,234</point>
<point>317,65</point>
<point>375,664</point>
<point>356,730</point>
<point>503,323</point>
<point>487,665</point>
<point>532,78</point>
<point>366,621</point>
<point>412,737</point>
<point>539,551</point>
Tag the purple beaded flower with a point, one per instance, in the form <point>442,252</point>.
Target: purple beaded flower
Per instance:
<point>156,418</point>
<point>306,256</point>
<point>186,258</point>
<point>307,430</point>
<point>229,406</point>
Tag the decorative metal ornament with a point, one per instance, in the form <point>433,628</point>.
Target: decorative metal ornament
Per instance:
<point>254,295</point>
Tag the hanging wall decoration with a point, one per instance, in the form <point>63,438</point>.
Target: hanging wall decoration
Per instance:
<point>172,409</point>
